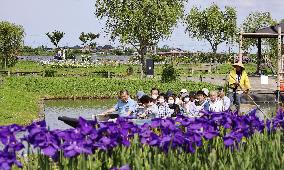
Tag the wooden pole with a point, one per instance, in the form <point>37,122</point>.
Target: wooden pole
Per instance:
<point>241,46</point>
<point>258,54</point>
<point>280,64</point>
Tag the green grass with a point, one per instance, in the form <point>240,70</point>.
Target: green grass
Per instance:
<point>17,106</point>
<point>20,95</point>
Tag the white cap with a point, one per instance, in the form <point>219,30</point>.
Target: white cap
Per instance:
<point>183,91</point>
<point>206,91</point>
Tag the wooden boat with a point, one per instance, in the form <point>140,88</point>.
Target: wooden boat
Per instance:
<point>73,122</point>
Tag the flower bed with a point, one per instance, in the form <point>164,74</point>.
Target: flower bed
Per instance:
<point>181,142</point>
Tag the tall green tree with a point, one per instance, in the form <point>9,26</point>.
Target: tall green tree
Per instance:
<point>253,22</point>
<point>11,42</point>
<point>55,37</point>
<point>212,24</point>
<point>141,23</point>
<point>88,39</point>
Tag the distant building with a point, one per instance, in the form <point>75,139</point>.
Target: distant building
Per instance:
<point>76,47</point>
<point>174,52</point>
<point>107,47</point>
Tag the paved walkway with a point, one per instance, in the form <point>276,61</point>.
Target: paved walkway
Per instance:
<point>255,82</point>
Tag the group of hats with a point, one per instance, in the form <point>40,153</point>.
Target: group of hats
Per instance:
<point>185,93</point>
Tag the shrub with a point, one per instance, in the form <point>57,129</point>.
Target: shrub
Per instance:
<point>49,73</point>
<point>130,71</point>
<point>169,74</point>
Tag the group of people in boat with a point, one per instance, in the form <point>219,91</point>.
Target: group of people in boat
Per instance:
<point>161,105</point>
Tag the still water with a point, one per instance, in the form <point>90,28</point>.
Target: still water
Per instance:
<point>86,108</point>
<point>73,108</point>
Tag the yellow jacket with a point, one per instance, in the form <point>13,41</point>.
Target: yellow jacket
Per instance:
<point>244,81</point>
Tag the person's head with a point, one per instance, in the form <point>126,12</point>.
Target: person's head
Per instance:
<point>161,99</point>
<point>169,92</point>
<point>213,96</point>
<point>139,95</point>
<point>155,93</point>
<point>185,98</point>
<point>239,67</point>
<point>192,96</point>
<point>183,91</point>
<point>171,99</point>
<point>123,95</point>
<point>200,95</point>
<point>221,92</point>
<point>146,100</point>
<point>206,92</point>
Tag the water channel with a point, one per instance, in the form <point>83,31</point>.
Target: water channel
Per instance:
<point>73,108</point>
<point>86,108</point>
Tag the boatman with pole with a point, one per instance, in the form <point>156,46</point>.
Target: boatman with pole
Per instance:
<point>239,84</point>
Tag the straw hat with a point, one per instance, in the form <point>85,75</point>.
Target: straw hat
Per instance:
<point>239,64</point>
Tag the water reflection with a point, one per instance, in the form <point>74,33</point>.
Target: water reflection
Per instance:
<point>73,108</point>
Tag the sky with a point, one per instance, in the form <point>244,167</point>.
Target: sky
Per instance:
<point>75,16</point>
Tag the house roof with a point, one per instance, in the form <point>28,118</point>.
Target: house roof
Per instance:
<point>267,32</point>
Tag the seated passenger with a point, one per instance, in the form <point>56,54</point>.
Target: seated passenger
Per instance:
<point>125,105</point>
<point>188,107</point>
<point>139,108</point>
<point>174,108</point>
<point>154,94</point>
<point>201,103</point>
<point>164,110</point>
<point>150,108</point>
<point>215,104</point>
<point>226,102</point>
<point>206,93</point>
<point>192,96</point>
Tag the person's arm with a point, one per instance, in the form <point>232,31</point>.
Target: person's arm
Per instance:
<point>246,83</point>
<point>206,106</point>
<point>232,80</point>
<point>109,111</point>
<point>115,108</point>
<point>227,104</point>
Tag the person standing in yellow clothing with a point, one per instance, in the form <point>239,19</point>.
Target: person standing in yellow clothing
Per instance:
<point>239,84</point>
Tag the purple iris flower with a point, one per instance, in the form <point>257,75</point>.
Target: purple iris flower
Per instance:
<point>75,148</point>
<point>8,159</point>
<point>124,167</point>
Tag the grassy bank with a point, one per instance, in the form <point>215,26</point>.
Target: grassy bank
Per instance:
<point>20,95</point>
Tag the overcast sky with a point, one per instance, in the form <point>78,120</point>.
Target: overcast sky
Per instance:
<point>76,16</point>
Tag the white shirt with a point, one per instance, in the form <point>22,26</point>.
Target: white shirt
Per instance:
<point>215,106</point>
<point>226,103</point>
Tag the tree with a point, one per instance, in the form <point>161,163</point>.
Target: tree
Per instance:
<point>282,21</point>
<point>212,24</point>
<point>55,37</point>
<point>11,42</point>
<point>88,40</point>
<point>254,22</point>
<point>141,23</point>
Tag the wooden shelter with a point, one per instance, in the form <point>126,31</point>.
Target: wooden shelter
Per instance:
<point>276,31</point>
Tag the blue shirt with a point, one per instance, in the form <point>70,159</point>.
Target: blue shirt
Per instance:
<point>124,107</point>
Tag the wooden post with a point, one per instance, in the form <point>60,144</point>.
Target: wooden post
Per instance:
<point>280,64</point>
<point>241,46</point>
<point>258,54</point>
<point>108,74</point>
